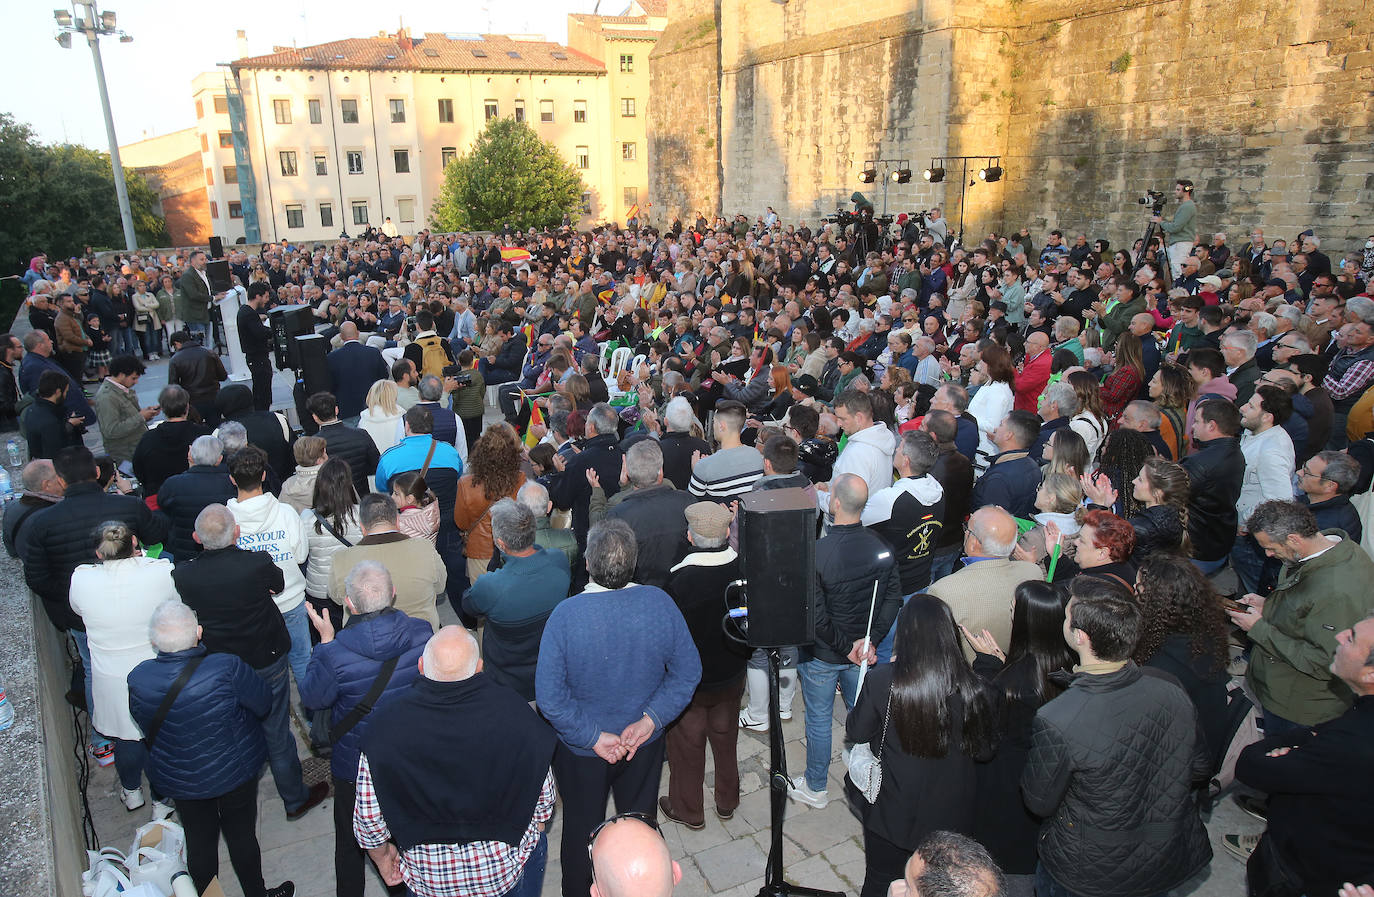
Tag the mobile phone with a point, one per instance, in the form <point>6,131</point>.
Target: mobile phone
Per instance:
<point>1232,604</point>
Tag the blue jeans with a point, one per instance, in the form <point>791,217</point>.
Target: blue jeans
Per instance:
<point>83,650</point>
<point>298,625</point>
<point>1046,886</point>
<point>131,758</point>
<point>531,881</point>
<point>943,562</point>
<point>1277,725</point>
<point>1256,571</point>
<point>818,680</point>
<point>125,341</point>
<point>204,330</point>
<point>884,648</point>
<point>281,746</point>
<point>1209,567</point>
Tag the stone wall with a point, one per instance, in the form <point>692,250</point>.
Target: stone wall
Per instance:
<point>684,114</point>
<point>1265,105</point>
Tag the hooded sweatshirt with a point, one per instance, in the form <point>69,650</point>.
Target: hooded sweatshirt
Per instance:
<point>867,453</point>
<point>266,524</point>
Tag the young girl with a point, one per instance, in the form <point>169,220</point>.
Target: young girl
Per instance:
<point>419,517</point>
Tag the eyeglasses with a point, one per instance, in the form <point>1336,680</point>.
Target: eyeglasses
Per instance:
<point>1304,472</point>
<point>650,821</point>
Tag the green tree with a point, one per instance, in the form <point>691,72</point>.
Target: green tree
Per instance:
<point>512,177</point>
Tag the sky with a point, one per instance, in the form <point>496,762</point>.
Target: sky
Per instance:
<point>54,90</point>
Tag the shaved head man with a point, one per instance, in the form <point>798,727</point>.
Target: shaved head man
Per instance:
<point>630,859</point>
<point>451,655</point>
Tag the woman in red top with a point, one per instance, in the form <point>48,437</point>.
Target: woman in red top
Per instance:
<point>1123,384</point>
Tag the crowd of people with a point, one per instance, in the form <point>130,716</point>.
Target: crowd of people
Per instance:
<point>1031,468</point>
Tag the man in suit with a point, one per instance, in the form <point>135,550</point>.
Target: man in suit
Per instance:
<point>194,291</point>
<point>256,339</point>
<point>353,368</point>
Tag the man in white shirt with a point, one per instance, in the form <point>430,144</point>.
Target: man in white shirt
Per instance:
<point>1269,466</point>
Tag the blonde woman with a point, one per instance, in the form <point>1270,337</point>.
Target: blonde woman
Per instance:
<point>382,416</point>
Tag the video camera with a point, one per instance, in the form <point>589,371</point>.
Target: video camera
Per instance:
<point>1155,200</point>
<point>841,217</point>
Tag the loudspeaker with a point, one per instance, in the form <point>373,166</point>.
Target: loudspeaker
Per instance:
<point>220,277</point>
<point>216,248</point>
<point>288,322</point>
<point>311,350</point>
<point>777,546</point>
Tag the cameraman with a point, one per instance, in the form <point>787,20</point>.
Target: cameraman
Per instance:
<point>937,225</point>
<point>1179,232</point>
<point>469,391</point>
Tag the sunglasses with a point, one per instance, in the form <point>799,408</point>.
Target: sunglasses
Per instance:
<point>650,821</point>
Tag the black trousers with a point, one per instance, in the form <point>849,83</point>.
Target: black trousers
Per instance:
<point>884,863</point>
<point>261,369</point>
<point>585,783</point>
<point>472,429</point>
<point>234,815</point>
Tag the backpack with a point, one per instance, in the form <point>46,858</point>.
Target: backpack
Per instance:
<point>434,359</point>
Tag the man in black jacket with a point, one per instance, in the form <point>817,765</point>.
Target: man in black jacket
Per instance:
<point>570,489</point>
<point>199,371</point>
<point>505,365</point>
<point>353,368</point>
<point>1216,471</point>
<point>162,451</point>
<point>342,441</point>
<point>11,351</point>
<point>48,423</point>
<point>1012,476</point>
<point>1114,761</point>
<point>1319,787</point>
<point>954,472</point>
<point>42,489</point>
<point>653,508</point>
<point>231,592</point>
<point>256,339</point>
<point>909,514</point>
<point>182,497</point>
<point>850,561</point>
<point>266,429</point>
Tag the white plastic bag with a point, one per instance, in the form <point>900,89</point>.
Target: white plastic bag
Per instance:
<point>158,853</point>
<point>106,876</point>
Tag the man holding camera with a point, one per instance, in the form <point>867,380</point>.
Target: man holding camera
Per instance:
<point>1178,231</point>
<point>256,339</point>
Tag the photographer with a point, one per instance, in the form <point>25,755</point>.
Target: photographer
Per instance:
<point>469,389</point>
<point>1179,230</point>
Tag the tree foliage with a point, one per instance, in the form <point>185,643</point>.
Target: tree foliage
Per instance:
<point>512,177</point>
<point>60,198</point>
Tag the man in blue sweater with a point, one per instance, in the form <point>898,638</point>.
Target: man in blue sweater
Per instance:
<point>616,665</point>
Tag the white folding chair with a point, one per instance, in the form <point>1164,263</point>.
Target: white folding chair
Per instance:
<point>619,359</point>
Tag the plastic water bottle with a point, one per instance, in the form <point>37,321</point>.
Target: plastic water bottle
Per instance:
<point>6,489</point>
<point>12,451</point>
<point>6,710</point>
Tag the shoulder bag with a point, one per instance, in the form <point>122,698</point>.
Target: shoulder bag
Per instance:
<point>364,707</point>
<point>160,717</point>
<point>865,767</point>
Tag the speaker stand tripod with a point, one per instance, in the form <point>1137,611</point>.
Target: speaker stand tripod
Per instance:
<point>773,883</point>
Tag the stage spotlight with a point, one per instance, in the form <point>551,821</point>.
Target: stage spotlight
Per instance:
<point>901,175</point>
<point>868,175</point>
<point>990,174</point>
<point>934,175</point>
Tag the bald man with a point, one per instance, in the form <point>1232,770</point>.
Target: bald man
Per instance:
<point>1034,373</point>
<point>43,488</point>
<point>353,368</point>
<point>437,808</point>
<point>1142,327</point>
<point>630,859</point>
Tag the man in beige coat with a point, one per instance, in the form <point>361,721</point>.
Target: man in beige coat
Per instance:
<point>417,572</point>
<point>983,592</point>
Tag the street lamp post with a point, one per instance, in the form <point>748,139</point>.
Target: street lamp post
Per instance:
<point>95,25</point>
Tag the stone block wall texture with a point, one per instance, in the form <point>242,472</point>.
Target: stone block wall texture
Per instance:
<point>1265,105</point>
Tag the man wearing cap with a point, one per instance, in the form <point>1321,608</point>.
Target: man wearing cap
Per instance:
<point>697,585</point>
<point>1209,288</point>
<point>1179,230</point>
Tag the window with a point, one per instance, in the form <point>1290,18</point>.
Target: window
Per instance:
<point>490,109</point>
<point>580,111</point>
<point>402,160</point>
<point>348,111</point>
<point>281,110</point>
<point>627,62</point>
<point>405,209</point>
<point>326,214</point>
<point>222,105</point>
<point>360,211</point>
<point>210,177</point>
<point>446,111</point>
<point>316,114</point>
<point>519,110</point>
<point>231,174</point>
<point>288,163</point>
<point>235,209</point>
<point>295,216</point>
<point>355,162</point>
<point>627,107</point>
<point>546,110</point>
<point>226,139</point>
<point>214,209</point>
<point>582,158</point>
<point>321,164</point>
<point>631,196</point>
<point>398,111</point>
<point>204,144</point>
<point>629,152</point>
<point>200,109</point>
<point>586,203</point>
<point>446,155</point>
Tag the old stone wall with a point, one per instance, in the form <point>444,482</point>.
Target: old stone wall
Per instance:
<point>684,115</point>
<point>1265,104</point>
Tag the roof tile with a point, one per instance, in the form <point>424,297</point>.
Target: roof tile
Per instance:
<point>433,52</point>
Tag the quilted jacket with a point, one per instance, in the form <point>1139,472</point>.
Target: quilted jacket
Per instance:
<point>342,672</point>
<point>211,741</point>
<point>848,561</point>
<point>1112,766</point>
<point>61,538</point>
<point>183,497</point>
<point>353,446</point>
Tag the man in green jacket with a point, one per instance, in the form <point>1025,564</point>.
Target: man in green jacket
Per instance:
<point>1323,590</point>
<point>1114,313</point>
<point>1179,231</point>
<point>122,422</point>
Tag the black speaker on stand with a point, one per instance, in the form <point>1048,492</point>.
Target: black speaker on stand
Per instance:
<point>777,540</point>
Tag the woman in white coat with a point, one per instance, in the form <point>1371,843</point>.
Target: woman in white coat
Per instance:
<point>993,375</point>
<point>116,599</point>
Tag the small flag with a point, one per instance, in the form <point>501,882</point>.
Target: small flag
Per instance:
<point>515,255</point>
<point>633,213</point>
<point>527,331</point>
<point>536,418</point>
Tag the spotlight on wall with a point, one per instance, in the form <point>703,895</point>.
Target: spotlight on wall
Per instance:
<point>868,175</point>
<point>901,175</point>
<point>990,174</point>
<point>934,174</point>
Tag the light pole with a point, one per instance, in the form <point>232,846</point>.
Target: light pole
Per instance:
<point>95,25</point>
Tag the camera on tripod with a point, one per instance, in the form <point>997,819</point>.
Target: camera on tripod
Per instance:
<point>841,217</point>
<point>1154,199</point>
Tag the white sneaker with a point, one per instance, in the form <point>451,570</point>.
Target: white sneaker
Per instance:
<point>162,811</point>
<point>803,794</point>
<point>785,715</point>
<point>132,799</point>
<point>747,721</point>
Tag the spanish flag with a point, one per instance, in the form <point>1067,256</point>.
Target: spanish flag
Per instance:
<point>633,213</point>
<point>527,331</point>
<point>536,418</point>
<point>515,255</point>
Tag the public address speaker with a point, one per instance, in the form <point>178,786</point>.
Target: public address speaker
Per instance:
<point>777,544</point>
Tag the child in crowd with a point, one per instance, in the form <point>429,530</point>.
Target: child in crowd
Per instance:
<point>419,517</point>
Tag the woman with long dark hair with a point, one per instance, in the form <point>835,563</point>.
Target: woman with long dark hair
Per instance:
<point>331,525</point>
<point>939,718</point>
<point>1022,676</point>
<point>1160,497</point>
<point>1184,633</point>
<point>494,473</point>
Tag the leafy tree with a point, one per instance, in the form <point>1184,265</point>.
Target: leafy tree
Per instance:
<point>512,177</point>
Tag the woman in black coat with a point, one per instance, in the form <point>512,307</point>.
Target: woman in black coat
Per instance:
<point>939,718</point>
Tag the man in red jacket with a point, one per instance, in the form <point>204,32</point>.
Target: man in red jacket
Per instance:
<point>1034,373</point>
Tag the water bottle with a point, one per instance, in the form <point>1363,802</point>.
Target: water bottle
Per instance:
<point>6,490</point>
<point>12,450</point>
<point>6,710</point>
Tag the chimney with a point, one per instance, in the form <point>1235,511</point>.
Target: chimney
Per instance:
<point>241,42</point>
<point>403,39</point>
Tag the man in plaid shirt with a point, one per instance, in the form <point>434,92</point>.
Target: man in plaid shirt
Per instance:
<point>439,810</point>
<point>1351,373</point>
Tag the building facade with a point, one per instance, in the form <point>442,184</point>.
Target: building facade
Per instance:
<point>171,164</point>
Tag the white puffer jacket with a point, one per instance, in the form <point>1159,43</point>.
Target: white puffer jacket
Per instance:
<point>323,546</point>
